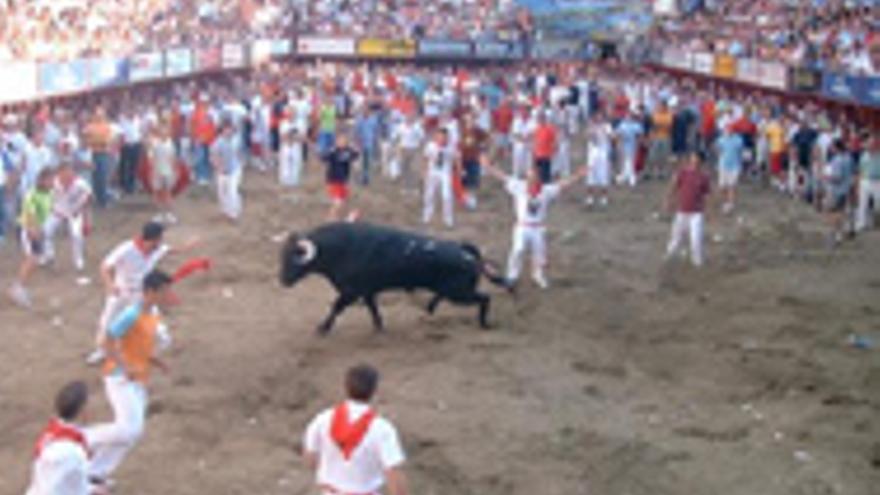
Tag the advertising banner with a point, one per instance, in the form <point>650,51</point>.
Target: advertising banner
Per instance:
<point>374,47</point>
<point>703,63</point>
<point>869,93</point>
<point>327,46</point>
<point>725,66</point>
<point>748,70</point>
<point>63,77</point>
<point>840,86</point>
<point>209,59</point>
<point>104,72</point>
<point>805,79</point>
<point>443,48</point>
<point>498,50</point>
<point>178,62</point>
<point>261,52</point>
<point>18,81</point>
<point>282,47</point>
<point>676,58</point>
<point>146,66</point>
<point>233,56</point>
<point>774,75</point>
<point>556,49</point>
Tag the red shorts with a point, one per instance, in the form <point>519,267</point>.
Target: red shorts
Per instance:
<point>337,191</point>
<point>776,162</point>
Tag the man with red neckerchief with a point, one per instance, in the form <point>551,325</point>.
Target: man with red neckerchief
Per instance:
<point>352,449</point>
<point>61,453</point>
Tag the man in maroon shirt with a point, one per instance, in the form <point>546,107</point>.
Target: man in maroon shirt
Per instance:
<point>687,194</point>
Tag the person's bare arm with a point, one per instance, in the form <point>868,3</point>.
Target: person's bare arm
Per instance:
<point>573,179</point>
<point>310,459</point>
<point>187,246</point>
<point>495,171</point>
<point>107,273</point>
<point>396,482</point>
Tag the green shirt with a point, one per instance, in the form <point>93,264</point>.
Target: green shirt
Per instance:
<point>327,118</point>
<point>869,167</point>
<point>36,207</point>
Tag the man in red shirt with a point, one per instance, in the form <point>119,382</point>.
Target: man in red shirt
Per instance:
<point>502,121</point>
<point>544,147</point>
<point>687,193</point>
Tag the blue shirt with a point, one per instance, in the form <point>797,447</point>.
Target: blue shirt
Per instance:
<point>730,151</point>
<point>629,131</point>
<point>226,151</point>
<point>367,129</point>
<point>124,321</point>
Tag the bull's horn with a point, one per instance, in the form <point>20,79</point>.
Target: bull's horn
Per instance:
<point>309,250</point>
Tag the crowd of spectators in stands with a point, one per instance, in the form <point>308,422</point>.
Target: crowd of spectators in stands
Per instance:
<point>46,30</point>
<point>842,35</point>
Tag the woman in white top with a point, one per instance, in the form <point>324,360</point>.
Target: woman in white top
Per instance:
<point>163,174</point>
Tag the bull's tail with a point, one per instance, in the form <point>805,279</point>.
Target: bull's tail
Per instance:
<point>488,268</point>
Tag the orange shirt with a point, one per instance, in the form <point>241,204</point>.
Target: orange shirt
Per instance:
<point>203,130</point>
<point>99,136</point>
<point>135,330</point>
<point>662,124</point>
<point>545,142</point>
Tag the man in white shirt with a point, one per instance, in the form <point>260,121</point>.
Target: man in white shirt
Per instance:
<point>37,157</point>
<point>352,449</point>
<point>123,272</point>
<point>521,132</point>
<point>440,157</point>
<point>599,135</point>
<point>531,200</point>
<point>71,195</point>
<point>61,454</point>
<point>408,138</point>
<point>132,128</point>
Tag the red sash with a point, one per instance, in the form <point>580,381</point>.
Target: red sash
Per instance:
<point>348,436</point>
<point>56,431</point>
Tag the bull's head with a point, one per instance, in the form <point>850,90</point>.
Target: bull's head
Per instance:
<point>296,259</point>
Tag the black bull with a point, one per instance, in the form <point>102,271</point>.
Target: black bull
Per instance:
<point>362,260</point>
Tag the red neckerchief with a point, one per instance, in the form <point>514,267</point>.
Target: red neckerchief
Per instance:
<point>347,435</point>
<point>56,431</point>
<point>535,189</point>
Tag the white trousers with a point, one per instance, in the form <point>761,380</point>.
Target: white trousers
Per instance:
<point>628,169</point>
<point>522,159</point>
<point>229,195</point>
<point>443,181</point>
<point>562,160</point>
<point>75,228</point>
<point>684,224</point>
<point>111,442</point>
<point>290,166</point>
<point>527,238</point>
<point>867,189</point>
<point>113,305</point>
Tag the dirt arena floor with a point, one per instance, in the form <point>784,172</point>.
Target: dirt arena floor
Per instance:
<point>627,377</point>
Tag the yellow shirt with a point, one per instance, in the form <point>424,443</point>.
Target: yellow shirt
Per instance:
<point>775,137</point>
<point>662,125</point>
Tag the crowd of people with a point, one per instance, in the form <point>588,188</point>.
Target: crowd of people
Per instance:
<point>541,129</point>
<point>839,35</point>
<point>40,30</point>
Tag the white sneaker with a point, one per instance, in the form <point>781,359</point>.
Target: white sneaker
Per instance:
<point>589,201</point>
<point>603,201</point>
<point>540,280</point>
<point>96,357</point>
<point>19,296</point>
<point>170,218</point>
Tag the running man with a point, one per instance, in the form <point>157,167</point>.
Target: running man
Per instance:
<point>531,199</point>
<point>123,272</point>
<point>71,196</point>
<point>61,454</point>
<point>35,212</point>
<point>132,345</point>
<point>339,162</point>
<point>687,194</point>
<point>440,159</point>
<point>351,448</point>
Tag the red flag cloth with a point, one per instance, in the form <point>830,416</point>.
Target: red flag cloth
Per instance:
<point>183,175</point>
<point>349,435</point>
<point>458,186</point>
<point>56,431</point>
<point>191,267</point>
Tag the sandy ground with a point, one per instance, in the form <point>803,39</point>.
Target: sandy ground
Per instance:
<point>627,377</point>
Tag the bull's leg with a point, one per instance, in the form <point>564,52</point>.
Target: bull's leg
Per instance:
<point>342,302</point>
<point>478,298</point>
<point>370,301</point>
<point>433,303</point>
